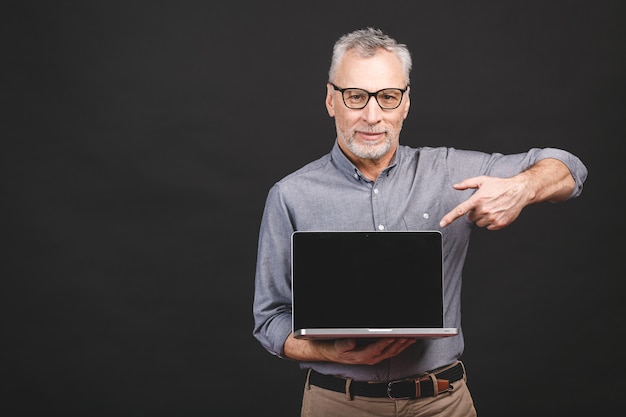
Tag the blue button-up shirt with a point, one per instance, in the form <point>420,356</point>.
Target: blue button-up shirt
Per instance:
<point>413,193</point>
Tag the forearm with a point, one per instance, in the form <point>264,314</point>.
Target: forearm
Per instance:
<point>307,350</point>
<point>548,180</point>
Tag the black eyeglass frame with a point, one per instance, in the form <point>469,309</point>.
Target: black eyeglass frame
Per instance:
<point>370,95</point>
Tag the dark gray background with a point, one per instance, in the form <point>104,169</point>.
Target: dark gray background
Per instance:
<point>139,142</point>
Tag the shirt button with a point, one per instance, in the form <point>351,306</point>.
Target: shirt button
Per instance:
<point>375,190</point>
<point>425,215</point>
<point>381,227</point>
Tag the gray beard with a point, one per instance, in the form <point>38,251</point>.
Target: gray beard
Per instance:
<point>369,151</point>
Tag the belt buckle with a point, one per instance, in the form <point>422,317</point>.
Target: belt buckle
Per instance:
<point>390,385</point>
<point>415,384</point>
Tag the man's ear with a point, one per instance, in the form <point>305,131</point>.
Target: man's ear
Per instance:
<point>330,100</point>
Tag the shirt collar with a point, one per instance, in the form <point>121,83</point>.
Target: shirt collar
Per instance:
<point>342,161</point>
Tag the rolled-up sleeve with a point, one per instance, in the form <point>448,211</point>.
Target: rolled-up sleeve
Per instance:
<point>573,163</point>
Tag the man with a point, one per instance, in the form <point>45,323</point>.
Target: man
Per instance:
<point>370,182</point>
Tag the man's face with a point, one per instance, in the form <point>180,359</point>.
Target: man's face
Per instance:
<point>371,132</point>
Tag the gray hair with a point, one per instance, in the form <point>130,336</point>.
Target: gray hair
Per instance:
<point>367,42</point>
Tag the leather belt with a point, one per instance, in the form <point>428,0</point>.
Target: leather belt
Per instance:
<point>429,385</point>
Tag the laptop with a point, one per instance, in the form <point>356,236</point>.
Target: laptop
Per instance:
<point>362,284</point>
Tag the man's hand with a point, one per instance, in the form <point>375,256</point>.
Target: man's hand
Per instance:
<point>496,203</point>
<point>346,351</point>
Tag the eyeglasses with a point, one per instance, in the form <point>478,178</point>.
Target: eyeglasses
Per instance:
<point>357,98</point>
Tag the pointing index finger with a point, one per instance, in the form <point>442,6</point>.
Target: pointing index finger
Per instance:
<point>465,206</point>
<point>454,214</point>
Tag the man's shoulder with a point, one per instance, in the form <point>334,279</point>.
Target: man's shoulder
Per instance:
<point>438,152</point>
<point>407,151</point>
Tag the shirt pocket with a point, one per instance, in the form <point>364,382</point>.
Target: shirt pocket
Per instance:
<point>422,219</point>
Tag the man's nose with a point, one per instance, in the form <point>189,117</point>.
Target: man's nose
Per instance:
<point>372,113</point>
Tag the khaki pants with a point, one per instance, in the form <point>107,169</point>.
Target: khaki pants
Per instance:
<point>319,402</point>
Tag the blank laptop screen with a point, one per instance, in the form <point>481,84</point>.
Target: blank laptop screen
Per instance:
<point>367,280</point>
